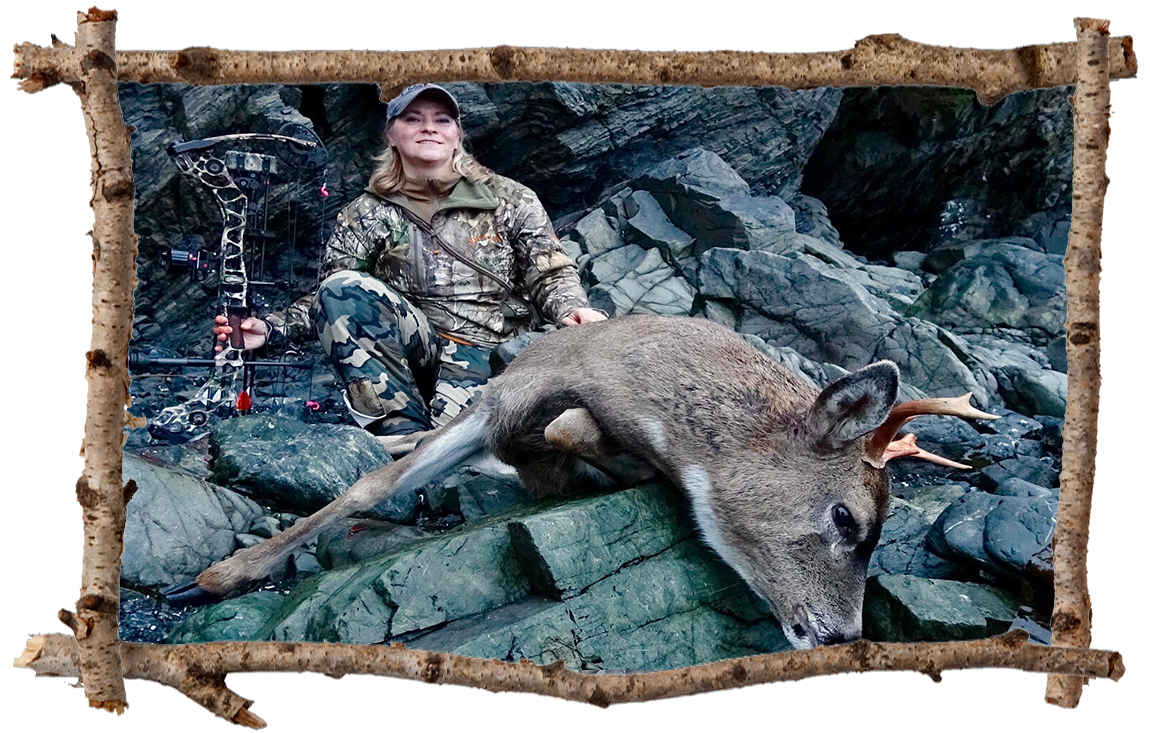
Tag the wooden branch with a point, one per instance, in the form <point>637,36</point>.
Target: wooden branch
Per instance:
<point>199,670</point>
<point>100,490</point>
<point>875,60</point>
<point>1070,622</point>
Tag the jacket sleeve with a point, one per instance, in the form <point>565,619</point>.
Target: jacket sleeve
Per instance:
<point>350,247</point>
<point>549,278</point>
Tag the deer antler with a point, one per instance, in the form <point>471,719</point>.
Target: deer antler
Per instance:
<point>882,447</point>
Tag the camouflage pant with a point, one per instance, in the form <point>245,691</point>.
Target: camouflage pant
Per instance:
<point>395,366</point>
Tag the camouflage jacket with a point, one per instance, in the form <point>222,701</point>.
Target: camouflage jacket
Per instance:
<point>499,224</point>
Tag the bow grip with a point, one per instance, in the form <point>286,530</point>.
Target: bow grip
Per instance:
<point>236,316</point>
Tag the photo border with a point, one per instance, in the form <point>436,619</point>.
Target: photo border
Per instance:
<point>90,67</point>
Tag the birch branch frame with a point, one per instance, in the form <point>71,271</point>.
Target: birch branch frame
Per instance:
<point>887,59</point>
<point>1071,618</point>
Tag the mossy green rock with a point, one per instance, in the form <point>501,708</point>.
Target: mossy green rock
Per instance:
<point>236,619</point>
<point>567,549</point>
<point>907,608</point>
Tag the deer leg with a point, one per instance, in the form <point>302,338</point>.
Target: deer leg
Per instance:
<point>575,431</point>
<point>443,452</point>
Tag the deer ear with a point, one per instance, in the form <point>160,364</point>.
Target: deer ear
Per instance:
<point>854,405</point>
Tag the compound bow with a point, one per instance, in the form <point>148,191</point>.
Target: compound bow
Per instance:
<point>229,386</point>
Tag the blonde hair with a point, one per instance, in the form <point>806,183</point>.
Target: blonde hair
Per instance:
<point>388,177</point>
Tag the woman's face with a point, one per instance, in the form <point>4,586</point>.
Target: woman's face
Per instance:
<point>425,133</point>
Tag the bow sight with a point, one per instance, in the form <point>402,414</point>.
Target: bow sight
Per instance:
<point>240,181</point>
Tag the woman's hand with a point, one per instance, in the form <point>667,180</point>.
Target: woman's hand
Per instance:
<point>255,332</point>
<point>580,316</point>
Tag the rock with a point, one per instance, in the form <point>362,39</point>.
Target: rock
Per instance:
<point>812,219</point>
<point>680,608</point>
<point>677,609</point>
<point>1049,229</point>
<point>570,142</point>
<point>1002,447</point>
<point>575,251</point>
<point>909,260</point>
<point>1019,535</point>
<point>945,256</point>
<point>1021,373</point>
<point>828,318</point>
<point>1037,629</point>
<point>1056,353</point>
<point>706,198</point>
<point>266,526</point>
<point>947,436</point>
<point>958,534</point>
<point>245,541</point>
<point>293,465</point>
<point>177,525</point>
<point>146,619</point>
<point>457,575</point>
<point>898,287</point>
<point>652,287</point>
<point>696,170</point>
<point>721,314</point>
<point>819,375</point>
<point>615,205</point>
<point>193,457</point>
<point>534,629</point>
<point>1040,568</point>
<point>350,541</point>
<point>1035,470</point>
<point>570,548</point>
<point>1034,391</point>
<point>1053,432</point>
<point>506,352</point>
<point>1003,534</point>
<point>904,608</point>
<point>487,490</point>
<point>1002,284</point>
<point>235,619</point>
<point>595,234</point>
<point>303,561</point>
<point>910,168</point>
<point>902,548</point>
<point>1019,487</point>
<point>931,498</point>
<point>650,228</point>
<point>644,600</point>
<point>613,265</point>
<point>831,254</point>
<point>1000,348</point>
<point>1016,425</point>
<point>769,285</point>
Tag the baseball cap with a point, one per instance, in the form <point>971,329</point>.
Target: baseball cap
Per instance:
<point>396,106</point>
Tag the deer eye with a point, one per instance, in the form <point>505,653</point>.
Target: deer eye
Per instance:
<point>844,522</point>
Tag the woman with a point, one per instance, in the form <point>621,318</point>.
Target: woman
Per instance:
<point>437,263</point>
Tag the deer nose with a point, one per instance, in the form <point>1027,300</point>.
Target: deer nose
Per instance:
<point>840,637</point>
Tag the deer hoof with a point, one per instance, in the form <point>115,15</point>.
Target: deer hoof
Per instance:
<point>189,594</point>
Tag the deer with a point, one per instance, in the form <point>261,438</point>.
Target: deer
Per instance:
<point>787,484</point>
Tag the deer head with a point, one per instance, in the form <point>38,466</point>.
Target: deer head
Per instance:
<point>799,516</point>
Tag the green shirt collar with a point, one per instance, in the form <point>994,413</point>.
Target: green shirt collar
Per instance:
<point>467,194</point>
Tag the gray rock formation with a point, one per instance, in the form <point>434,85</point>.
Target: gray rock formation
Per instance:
<point>908,608</point>
<point>177,525</point>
